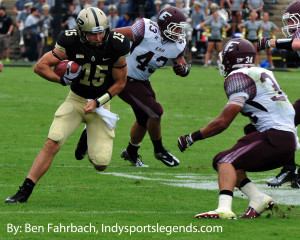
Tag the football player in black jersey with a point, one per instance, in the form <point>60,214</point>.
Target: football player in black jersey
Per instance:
<point>101,55</point>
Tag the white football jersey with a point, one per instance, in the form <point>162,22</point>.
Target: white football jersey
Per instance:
<point>266,105</point>
<point>149,50</point>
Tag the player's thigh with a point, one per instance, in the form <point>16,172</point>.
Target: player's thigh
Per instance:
<point>67,119</point>
<point>260,151</point>
<point>99,139</point>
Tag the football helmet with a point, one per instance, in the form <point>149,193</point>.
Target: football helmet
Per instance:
<point>92,20</point>
<point>291,19</point>
<point>237,53</point>
<point>171,22</point>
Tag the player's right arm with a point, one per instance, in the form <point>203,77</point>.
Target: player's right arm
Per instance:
<point>48,60</point>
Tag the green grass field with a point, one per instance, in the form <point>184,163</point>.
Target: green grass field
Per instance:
<point>143,200</point>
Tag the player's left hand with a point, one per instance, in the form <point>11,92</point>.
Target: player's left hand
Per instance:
<point>263,44</point>
<point>184,142</point>
<point>90,107</point>
<point>181,70</point>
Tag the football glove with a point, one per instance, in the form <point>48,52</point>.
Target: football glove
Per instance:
<point>181,70</point>
<point>263,44</point>
<point>70,78</point>
<point>184,142</point>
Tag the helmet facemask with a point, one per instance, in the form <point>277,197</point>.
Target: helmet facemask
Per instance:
<point>175,31</point>
<point>291,22</point>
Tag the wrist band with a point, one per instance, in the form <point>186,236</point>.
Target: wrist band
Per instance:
<point>103,99</point>
<point>284,44</point>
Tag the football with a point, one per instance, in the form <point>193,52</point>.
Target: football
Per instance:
<point>61,67</point>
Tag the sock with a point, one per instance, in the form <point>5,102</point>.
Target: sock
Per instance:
<point>132,149</point>
<point>158,147</point>
<point>28,185</point>
<point>250,190</point>
<point>225,200</point>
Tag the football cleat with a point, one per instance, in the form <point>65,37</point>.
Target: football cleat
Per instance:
<point>258,206</point>
<point>167,158</point>
<point>135,160</point>
<point>218,213</point>
<point>20,197</point>
<point>295,183</point>
<point>286,174</point>
<point>82,147</point>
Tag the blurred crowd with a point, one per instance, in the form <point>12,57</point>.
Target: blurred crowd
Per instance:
<point>40,21</point>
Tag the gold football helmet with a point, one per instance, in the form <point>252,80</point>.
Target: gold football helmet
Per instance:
<point>92,20</point>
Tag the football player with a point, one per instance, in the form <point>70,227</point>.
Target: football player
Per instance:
<point>153,44</point>
<point>255,93</point>
<point>1,66</point>
<point>102,75</point>
<point>291,29</point>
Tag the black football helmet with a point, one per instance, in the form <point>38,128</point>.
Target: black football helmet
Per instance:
<point>92,20</point>
<point>291,19</point>
<point>237,53</point>
<point>171,21</point>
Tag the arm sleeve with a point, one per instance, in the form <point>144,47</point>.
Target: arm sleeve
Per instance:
<point>240,85</point>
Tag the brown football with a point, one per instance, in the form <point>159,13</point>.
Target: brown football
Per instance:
<point>61,67</point>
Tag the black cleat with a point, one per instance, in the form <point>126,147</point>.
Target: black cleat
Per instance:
<point>20,197</point>
<point>295,183</point>
<point>286,174</point>
<point>167,158</point>
<point>82,147</point>
<point>135,160</point>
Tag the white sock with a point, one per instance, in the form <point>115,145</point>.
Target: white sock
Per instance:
<point>225,202</point>
<point>251,191</point>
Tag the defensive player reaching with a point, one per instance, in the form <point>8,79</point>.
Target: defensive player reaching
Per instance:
<point>291,29</point>
<point>102,55</point>
<point>255,93</point>
<point>153,44</point>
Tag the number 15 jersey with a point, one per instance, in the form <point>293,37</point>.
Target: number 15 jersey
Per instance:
<point>149,51</point>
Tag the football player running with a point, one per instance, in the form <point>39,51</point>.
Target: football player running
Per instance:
<point>255,93</point>
<point>291,29</point>
<point>102,75</point>
<point>153,44</point>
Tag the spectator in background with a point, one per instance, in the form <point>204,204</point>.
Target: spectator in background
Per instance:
<point>39,6</point>
<point>46,23</point>
<point>122,7</point>
<point>124,21</point>
<point>141,9</point>
<point>113,16</point>
<point>269,30</point>
<point>101,6</point>
<point>251,30</point>
<point>198,17</point>
<point>69,19</point>
<point>215,28</point>
<point>256,6</point>
<point>204,6</point>
<point>6,27</point>
<point>20,21</point>
<point>220,3</point>
<point>20,5</point>
<point>32,35</point>
<point>158,4</point>
<point>236,11</point>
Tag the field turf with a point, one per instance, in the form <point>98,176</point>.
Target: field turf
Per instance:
<point>153,203</point>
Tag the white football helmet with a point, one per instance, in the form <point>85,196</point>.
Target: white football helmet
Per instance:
<point>291,19</point>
